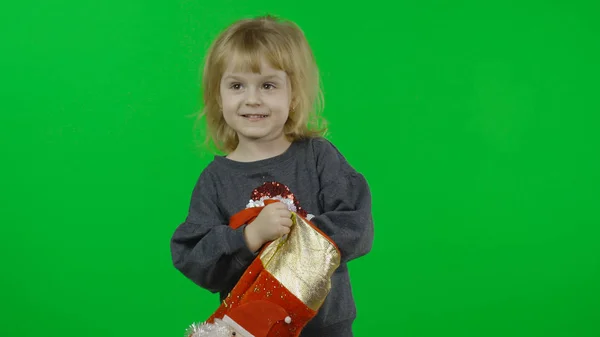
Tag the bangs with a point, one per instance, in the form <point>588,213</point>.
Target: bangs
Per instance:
<point>246,51</point>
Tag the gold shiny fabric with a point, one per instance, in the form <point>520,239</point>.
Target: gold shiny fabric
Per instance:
<point>303,261</point>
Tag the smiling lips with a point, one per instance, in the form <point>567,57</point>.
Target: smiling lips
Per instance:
<point>254,116</point>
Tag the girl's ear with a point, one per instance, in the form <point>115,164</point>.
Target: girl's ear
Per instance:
<point>293,104</point>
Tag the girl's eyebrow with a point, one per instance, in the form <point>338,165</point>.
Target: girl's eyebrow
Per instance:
<point>262,77</point>
<point>233,77</point>
<point>268,77</point>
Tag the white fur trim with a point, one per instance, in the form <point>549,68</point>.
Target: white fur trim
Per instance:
<point>288,202</point>
<point>261,202</point>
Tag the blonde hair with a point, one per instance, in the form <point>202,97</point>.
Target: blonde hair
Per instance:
<point>284,46</point>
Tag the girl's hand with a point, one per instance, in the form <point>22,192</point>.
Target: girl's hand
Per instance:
<point>274,221</point>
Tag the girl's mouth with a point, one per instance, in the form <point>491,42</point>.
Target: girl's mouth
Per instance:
<point>253,117</point>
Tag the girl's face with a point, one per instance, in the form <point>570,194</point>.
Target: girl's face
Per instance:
<point>256,105</point>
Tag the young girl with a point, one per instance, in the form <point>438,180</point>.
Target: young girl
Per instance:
<point>261,87</point>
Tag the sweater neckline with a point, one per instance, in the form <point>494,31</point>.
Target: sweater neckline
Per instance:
<point>248,166</point>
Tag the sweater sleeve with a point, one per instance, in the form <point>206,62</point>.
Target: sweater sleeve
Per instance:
<point>204,248</point>
<point>345,198</point>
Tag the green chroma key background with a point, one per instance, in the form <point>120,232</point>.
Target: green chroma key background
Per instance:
<point>475,122</point>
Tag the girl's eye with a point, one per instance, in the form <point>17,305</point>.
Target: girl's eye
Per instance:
<point>268,86</point>
<point>236,86</point>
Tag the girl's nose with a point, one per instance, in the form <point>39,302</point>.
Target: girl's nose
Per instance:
<point>252,97</point>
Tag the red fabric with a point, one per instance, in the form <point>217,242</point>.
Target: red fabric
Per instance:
<point>259,303</point>
<point>256,284</point>
<point>258,317</point>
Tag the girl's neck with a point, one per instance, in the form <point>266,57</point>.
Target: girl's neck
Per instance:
<point>255,151</point>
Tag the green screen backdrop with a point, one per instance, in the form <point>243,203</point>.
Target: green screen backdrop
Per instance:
<point>475,122</point>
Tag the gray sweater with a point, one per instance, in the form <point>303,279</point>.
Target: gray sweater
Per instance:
<point>214,256</point>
